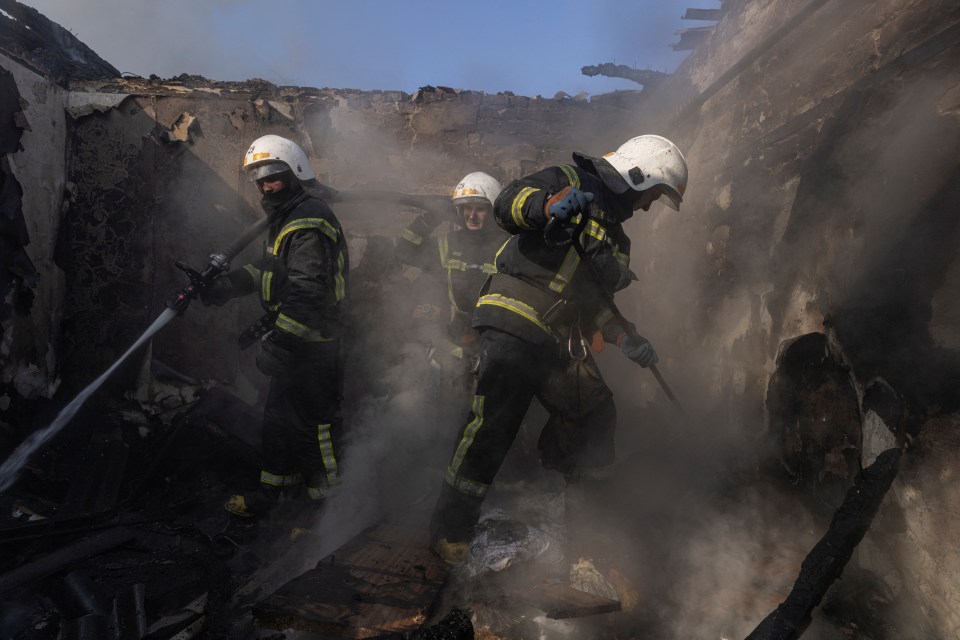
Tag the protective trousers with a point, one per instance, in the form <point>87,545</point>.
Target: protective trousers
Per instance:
<point>303,425</point>
<point>578,437</point>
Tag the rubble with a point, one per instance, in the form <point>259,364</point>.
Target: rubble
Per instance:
<point>808,304</point>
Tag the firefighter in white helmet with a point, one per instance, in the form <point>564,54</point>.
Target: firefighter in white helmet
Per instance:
<point>301,281</point>
<point>455,264</point>
<point>539,311</point>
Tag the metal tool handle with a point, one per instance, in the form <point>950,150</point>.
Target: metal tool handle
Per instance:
<point>628,326</point>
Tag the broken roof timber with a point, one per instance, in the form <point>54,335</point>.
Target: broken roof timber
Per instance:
<point>691,38</point>
<point>702,14</point>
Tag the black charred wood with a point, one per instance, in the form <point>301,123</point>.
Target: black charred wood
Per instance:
<point>647,77</point>
<point>74,595</point>
<point>824,564</point>
<point>63,558</point>
<point>90,627</point>
<point>128,620</point>
<point>703,14</point>
<point>97,484</point>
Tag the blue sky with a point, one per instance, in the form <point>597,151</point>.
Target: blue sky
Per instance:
<point>530,48</point>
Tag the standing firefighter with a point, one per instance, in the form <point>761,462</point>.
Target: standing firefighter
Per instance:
<point>464,259</point>
<point>301,281</point>
<point>538,312</point>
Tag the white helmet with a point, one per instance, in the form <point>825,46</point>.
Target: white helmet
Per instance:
<point>476,187</point>
<point>270,154</point>
<point>641,163</point>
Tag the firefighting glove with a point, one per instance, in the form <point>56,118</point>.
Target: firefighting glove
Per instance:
<point>639,350</point>
<point>226,287</point>
<point>217,292</point>
<point>274,360</point>
<point>568,203</point>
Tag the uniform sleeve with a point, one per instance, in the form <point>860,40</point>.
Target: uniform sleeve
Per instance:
<point>414,247</point>
<point>603,244</point>
<point>243,281</point>
<point>315,285</point>
<point>519,207</point>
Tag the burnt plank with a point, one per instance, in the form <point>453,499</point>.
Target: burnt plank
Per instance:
<point>702,14</point>
<point>560,601</point>
<point>384,580</point>
<point>825,562</point>
<point>64,557</point>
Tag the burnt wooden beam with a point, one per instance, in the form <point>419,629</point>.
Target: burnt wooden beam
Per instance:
<point>824,564</point>
<point>64,557</point>
<point>691,38</point>
<point>702,14</point>
<point>647,77</point>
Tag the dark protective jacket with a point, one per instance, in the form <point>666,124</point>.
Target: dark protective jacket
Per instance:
<point>303,274</point>
<point>539,291</point>
<point>464,258</point>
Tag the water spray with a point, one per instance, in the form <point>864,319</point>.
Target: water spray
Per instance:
<point>176,305</point>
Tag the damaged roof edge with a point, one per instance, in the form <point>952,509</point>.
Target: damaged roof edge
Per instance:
<point>80,103</point>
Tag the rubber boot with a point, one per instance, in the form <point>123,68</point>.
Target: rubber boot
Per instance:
<point>451,526</point>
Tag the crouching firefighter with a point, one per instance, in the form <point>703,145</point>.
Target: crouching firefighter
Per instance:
<point>539,311</point>
<point>301,281</point>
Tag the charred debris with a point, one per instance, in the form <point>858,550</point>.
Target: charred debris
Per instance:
<point>815,495</point>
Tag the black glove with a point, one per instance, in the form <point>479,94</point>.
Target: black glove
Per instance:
<point>217,292</point>
<point>274,360</point>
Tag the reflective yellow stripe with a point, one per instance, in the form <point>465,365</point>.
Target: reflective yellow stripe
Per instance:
<point>516,209</point>
<point>302,331</point>
<point>253,271</point>
<point>317,493</point>
<point>500,250</point>
<point>306,223</point>
<point>411,237</point>
<point>622,258</point>
<point>450,294</point>
<point>596,230</point>
<point>569,266</point>
<point>443,245</point>
<point>518,307</point>
<point>453,349</point>
<point>275,480</point>
<point>466,486</point>
<point>266,279</point>
<point>572,176</point>
<point>327,229</point>
<point>326,452</point>
<point>469,433</point>
<point>489,268</point>
<point>340,283</point>
<point>602,318</point>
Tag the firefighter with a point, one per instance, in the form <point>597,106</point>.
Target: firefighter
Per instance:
<point>459,261</point>
<point>301,281</point>
<point>539,311</point>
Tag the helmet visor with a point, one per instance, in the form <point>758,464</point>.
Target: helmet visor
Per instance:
<point>670,197</point>
<point>266,170</point>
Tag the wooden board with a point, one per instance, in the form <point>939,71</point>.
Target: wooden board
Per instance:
<point>384,580</point>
